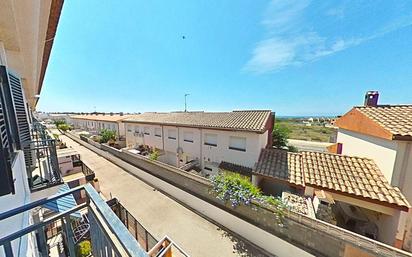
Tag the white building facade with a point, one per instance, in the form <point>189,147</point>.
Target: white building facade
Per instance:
<point>95,123</point>
<point>188,141</point>
<point>27,30</point>
<point>383,133</point>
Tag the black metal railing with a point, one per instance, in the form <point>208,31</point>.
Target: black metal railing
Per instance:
<point>88,173</point>
<point>138,231</point>
<point>42,164</point>
<point>41,159</point>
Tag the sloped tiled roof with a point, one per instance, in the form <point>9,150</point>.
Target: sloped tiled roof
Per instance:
<point>246,171</point>
<point>397,119</point>
<point>280,164</point>
<point>254,120</point>
<point>356,176</point>
<point>108,117</point>
<point>352,175</point>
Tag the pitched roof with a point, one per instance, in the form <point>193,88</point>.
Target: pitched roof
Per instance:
<point>355,176</point>
<point>109,118</point>
<point>280,164</point>
<point>397,119</point>
<point>246,171</point>
<point>253,120</point>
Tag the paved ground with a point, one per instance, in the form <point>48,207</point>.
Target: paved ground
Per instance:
<point>160,214</point>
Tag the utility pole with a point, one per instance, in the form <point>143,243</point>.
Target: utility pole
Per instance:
<point>186,102</point>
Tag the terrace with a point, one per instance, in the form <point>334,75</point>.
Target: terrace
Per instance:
<point>92,220</point>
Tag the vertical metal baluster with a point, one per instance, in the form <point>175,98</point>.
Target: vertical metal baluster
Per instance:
<point>8,250</point>
<point>69,235</point>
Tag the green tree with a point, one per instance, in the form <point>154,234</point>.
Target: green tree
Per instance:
<point>106,135</point>
<point>280,135</point>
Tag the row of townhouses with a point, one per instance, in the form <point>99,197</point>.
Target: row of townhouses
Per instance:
<point>366,172</point>
<point>46,207</point>
<point>208,138</point>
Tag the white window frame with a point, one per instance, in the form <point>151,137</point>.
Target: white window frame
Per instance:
<point>235,147</point>
<point>188,136</point>
<point>158,132</point>
<point>206,142</point>
<point>146,131</point>
<point>173,132</point>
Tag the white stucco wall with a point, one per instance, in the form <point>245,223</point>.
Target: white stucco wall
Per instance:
<point>95,125</point>
<point>7,202</point>
<point>209,156</point>
<point>382,151</point>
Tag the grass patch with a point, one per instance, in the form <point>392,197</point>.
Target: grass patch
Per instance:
<point>298,130</point>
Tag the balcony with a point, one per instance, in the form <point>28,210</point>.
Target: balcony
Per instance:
<point>92,220</point>
<point>41,159</point>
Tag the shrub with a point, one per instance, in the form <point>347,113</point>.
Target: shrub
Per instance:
<point>239,190</point>
<point>59,122</point>
<point>64,127</point>
<point>84,248</point>
<point>280,135</point>
<point>292,148</point>
<point>154,155</point>
<point>107,135</point>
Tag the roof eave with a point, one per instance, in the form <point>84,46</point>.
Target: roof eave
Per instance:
<point>261,131</point>
<point>402,138</point>
<point>54,17</point>
<point>371,200</point>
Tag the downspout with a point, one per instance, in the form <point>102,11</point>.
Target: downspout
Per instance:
<point>201,148</point>
<point>163,139</point>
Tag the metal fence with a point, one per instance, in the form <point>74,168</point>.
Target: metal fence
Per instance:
<point>144,237</point>
<point>109,237</point>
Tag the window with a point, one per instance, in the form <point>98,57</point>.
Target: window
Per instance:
<point>171,134</point>
<point>209,169</point>
<point>136,129</point>
<point>146,131</point>
<point>129,128</point>
<point>158,132</point>
<point>211,139</point>
<point>237,143</point>
<point>188,136</point>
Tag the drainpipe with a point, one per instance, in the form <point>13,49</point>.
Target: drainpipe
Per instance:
<point>163,138</point>
<point>201,149</point>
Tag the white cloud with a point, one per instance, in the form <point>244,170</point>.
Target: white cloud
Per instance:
<point>294,37</point>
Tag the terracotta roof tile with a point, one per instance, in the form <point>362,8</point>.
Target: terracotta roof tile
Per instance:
<point>345,174</point>
<point>254,120</point>
<point>281,165</point>
<point>354,172</point>
<point>397,119</point>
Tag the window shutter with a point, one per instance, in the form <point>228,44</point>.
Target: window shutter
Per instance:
<point>211,139</point>
<point>237,143</point>
<point>6,178</point>
<point>21,117</point>
<point>9,112</point>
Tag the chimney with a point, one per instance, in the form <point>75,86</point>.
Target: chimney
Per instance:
<point>111,113</point>
<point>371,98</point>
<point>121,113</point>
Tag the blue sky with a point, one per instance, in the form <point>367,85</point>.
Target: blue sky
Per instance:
<point>293,57</point>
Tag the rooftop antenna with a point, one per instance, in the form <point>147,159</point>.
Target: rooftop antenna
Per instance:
<point>186,102</point>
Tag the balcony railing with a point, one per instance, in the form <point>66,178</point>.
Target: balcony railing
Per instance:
<point>41,159</point>
<point>92,220</point>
